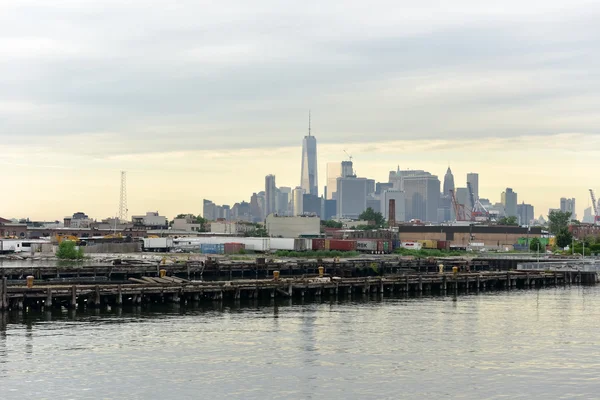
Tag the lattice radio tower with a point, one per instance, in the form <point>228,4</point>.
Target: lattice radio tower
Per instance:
<point>123,198</point>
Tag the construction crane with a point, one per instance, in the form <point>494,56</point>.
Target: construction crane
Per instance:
<point>349,156</point>
<point>461,212</point>
<point>595,206</point>
<point>478,211</point>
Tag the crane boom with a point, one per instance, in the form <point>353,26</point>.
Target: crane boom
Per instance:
<point>595,206</point>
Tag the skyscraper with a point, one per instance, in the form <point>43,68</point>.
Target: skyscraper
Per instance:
<point>297,201</point>
<point>448,182</point>
<point>509,201</point>
<point>351,197</point>
<point>473,179</point>
<point>568,205</point>
<point>334,171</point>
<point>525,214</point>
<point>347,169</point>
<point>309,179</point>
<point>270,195</point>
<point>422,193</point>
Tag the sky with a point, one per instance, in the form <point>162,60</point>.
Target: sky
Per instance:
<point>202,99</point>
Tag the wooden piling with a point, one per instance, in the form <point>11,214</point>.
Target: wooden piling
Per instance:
<point>119,295</point>
<point>48,302</point>
<point>73,297</point>
<point>4,294</point>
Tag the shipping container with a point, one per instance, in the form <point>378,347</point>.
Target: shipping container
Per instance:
<point>233,248</point>
<point>428,244</point>
<point>282,244</point>
<point>366,245</point>
<point>157,244</point>
<point>207,248</point>
<point>342,245</point>
<point>384,246</point>
<point>411,245</point>
<point>443,244</point>
<point>396,244</point>
<point>318,244</point>
<point>257,244</point>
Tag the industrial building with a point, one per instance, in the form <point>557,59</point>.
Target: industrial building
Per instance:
<point>292,227</point>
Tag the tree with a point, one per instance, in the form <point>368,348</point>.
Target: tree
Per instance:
<point>332,224</point>
<point>370,215</point>
<point>557,221</point>
<point>512,220</point>
<point>564,238</point>
<point>535,244</point>
<point>67,250</point>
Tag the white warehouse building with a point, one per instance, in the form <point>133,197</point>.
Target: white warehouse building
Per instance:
<point>292,227</point>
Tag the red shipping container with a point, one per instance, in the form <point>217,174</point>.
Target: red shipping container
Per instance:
<point>342,245</point>
<point>318,244</point>
<point>443,245</point>
<point>233,248</point>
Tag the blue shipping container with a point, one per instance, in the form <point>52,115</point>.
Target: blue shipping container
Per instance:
<point>206,248</point>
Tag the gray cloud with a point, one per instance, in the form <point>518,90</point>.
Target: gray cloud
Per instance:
<point>165,77</point>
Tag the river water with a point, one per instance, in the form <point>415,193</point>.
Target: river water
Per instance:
<point>538,344</point>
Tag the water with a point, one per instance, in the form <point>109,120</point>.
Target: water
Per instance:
<point>520,345</point>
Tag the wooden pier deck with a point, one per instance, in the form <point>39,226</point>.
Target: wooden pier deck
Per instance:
<point>147,290</point>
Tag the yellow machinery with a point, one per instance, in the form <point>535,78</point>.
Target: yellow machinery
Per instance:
<point>60,238</point>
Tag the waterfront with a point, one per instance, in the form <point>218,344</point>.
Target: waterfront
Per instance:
<point>519,344</point>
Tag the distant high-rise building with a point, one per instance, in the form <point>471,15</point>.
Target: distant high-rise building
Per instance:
<point>370,186</point>
<point>374,202</point>
<point>509,201</point>
<point>525,214</point>
<point>400,201</point>
<point>334,171</point>
<point>381,187</point>
<point>284,199</point>
<point>588,216</point>
<point>297,201</point>
<point>462,197</point>
<point>422,193</point>
<point>347,169</point>
<point>309,180</point>
<point>209,210</point>
<point>352,197</point>
<point>568,205</point>
<point>330,209</point>
<point>448,182</point>
<point>473,180</point>
<point>311,204</point>
<point>270,195</point>
<point>255,208</point>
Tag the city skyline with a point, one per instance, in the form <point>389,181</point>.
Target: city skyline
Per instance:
<point>256,183</point>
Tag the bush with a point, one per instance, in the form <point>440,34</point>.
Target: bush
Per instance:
<point>68,250</point>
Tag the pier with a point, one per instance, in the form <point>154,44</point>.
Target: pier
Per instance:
<point>148,290</point>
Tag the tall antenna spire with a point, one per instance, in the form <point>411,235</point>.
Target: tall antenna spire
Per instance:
<point>308,122</point>
<point>123,197</point>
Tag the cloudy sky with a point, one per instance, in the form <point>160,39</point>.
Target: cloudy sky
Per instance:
<point>202,99</point>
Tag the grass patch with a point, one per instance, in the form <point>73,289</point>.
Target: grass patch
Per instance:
<point>429,253</point>
<point>316,254</point>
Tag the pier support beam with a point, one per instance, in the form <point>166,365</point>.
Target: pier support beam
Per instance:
<point>3,294</point>
<point>119,300</point>
<point>420,286</point>
<point>48,302</point>
<point>73,297</point>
